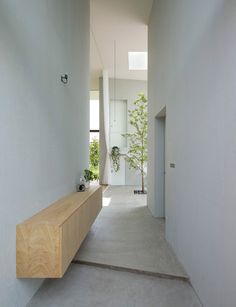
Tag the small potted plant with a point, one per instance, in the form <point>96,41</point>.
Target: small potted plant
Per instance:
<point>115,158</point>
<point>88,176</point>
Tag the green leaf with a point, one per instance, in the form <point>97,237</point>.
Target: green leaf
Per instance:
<point>137,140</point>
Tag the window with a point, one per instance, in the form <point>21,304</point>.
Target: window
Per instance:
<point>94,119</point>
<point>94,135</point>
<point>137,60</point>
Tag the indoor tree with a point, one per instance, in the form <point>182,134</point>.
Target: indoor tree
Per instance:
<point>137,138</point>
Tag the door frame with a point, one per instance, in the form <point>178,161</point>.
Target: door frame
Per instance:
<point>160,162</point>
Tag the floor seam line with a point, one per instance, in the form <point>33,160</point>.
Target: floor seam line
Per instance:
<point>132,270</point>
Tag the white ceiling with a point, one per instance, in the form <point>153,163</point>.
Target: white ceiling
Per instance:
<point>122,21</point>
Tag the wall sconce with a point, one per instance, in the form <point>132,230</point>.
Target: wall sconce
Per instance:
<point>64,78</point>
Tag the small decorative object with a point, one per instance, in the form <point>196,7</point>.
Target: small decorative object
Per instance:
<point>64,78</point>
<point>88,175</point>
<point>80,187</point>
<point>115,157</point>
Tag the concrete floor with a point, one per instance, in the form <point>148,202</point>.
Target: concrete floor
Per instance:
<point>85,286</point>
<point>126,235</point>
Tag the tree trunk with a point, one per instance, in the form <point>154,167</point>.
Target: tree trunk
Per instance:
<point>142,168</point>
<point>142,182</point>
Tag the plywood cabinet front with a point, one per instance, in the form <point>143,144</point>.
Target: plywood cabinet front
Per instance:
<point>47,242</point>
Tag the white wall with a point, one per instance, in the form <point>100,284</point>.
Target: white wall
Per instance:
<point>128,90</point>
<point>192,63</point>
<point>44,129</point>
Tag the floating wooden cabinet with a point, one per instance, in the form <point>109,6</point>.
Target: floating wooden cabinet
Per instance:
<point>47,242</point>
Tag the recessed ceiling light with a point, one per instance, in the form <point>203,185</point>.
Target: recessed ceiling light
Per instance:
<point>137,60</point>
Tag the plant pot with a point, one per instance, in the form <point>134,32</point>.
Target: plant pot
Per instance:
<point>140,192</point>
<point>87,184</point>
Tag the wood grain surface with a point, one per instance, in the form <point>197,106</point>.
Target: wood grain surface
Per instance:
<point>47,242</point>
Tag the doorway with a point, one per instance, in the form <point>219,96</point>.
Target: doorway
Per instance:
<point>160,161</point>
<point>118,127</point>
<point>118,123</point>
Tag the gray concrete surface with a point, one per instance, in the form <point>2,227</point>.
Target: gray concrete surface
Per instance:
<point>85,286</point>
<point>126,235</point>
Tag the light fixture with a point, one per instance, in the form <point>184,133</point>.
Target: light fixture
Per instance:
<point>137,60</point>
<point>64,78</point>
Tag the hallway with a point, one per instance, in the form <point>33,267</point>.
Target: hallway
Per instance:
<point>129,245</point>
<point>125,235</point>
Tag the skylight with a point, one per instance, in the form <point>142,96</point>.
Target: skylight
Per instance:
<point>137,60</point>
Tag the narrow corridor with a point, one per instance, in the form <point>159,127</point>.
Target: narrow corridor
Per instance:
<point>129,245</point>
<point>126,235</point>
